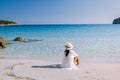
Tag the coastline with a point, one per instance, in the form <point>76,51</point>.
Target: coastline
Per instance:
<point>26,69</point>
<point>2,25</point>
<point>16,62</point>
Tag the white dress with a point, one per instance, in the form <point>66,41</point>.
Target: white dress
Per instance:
<point>68,61</point>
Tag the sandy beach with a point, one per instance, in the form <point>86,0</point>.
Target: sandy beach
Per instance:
<point>21,69</point>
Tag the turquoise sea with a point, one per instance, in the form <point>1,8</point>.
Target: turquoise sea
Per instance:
<point>92,42</point>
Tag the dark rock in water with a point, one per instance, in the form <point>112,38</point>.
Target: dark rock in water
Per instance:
<point>116,21</point>
<point>21,39</point>
<point>3,43</point>
<point>32,40</point>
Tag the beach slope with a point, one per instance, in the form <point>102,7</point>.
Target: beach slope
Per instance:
<point>20,69</point>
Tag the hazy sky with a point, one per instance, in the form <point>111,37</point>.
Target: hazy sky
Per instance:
<point>60,11</point>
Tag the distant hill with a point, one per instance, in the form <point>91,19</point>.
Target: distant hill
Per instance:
<point>116,21</point>
<point>6,22</point>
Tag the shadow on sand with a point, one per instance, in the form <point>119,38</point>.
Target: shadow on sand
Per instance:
<point>47,66</point>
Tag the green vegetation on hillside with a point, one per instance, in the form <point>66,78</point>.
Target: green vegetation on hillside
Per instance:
<point>5,22</point>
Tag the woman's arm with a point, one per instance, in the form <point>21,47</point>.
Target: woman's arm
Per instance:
<point>75,59</point>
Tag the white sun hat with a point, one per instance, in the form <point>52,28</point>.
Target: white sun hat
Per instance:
<point>68,46</point>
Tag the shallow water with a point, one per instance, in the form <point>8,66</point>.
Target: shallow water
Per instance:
<point>97,43</point>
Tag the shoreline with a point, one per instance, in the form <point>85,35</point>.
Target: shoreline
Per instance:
<point>3,25</point>
<point>23,69</point>
<point>59,58</point>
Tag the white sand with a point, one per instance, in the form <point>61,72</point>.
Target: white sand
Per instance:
<point>45,70</point>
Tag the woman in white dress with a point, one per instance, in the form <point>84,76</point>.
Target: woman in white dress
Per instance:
<point>70,59</point>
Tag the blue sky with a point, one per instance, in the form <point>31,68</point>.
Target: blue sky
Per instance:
<point>60,11</point>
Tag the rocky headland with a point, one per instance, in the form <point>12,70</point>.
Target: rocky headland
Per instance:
<point>116,21</point>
